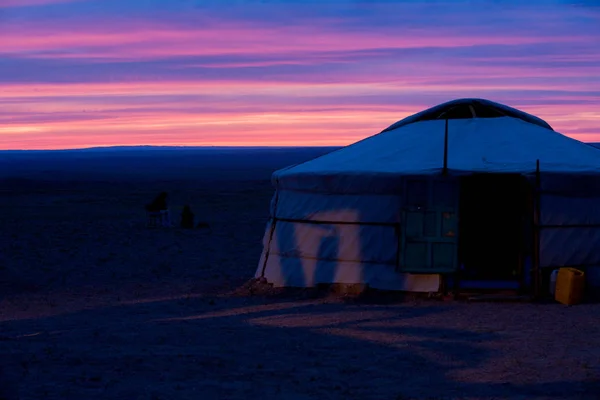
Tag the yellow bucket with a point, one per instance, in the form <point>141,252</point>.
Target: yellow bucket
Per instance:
<point>570,284</point>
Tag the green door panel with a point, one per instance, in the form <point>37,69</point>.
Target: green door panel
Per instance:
<point>429,236</point>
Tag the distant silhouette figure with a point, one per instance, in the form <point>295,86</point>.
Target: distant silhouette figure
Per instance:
<point>203,225</point>
<point>187,218</point>
<point>157,212</point>
<point>159,203</point>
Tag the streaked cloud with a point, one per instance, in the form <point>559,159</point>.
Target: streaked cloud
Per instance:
<point>283,72</point>
<point>29,3</point>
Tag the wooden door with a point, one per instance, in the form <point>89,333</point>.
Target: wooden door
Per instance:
<point>429,239</point>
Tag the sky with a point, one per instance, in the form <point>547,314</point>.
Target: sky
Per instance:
<point>83,73</point>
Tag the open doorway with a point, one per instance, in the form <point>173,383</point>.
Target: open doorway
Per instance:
<point>495,232</point>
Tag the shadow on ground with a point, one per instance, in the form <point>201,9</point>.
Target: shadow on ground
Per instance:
<point>198,347</point>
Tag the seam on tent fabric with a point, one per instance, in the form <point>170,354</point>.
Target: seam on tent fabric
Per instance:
<point>322,222</point>
<point>573,226</point>
<point>347,193</point>
<point>571,265</point>
<point>335,259</point>
<point>563,194</point>
<point>363,193</point>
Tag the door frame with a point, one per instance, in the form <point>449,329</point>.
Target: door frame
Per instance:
<point>529,215</point>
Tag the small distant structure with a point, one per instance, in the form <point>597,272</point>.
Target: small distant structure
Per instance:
<point>157,212</point>
<point>203,225</point>
<point>187,218</point>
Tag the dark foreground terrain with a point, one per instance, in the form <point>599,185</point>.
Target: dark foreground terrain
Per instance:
<point>93,305</point>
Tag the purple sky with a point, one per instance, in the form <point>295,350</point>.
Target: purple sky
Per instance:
<point>79,73</point>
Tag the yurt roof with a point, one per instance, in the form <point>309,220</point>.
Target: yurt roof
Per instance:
<point>483,136</point>
<point>469,108</point>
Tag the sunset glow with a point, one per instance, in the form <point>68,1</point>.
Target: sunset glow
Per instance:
<point>106,72</point>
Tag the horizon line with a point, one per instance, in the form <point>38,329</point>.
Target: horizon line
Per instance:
<point>144,146</point>
<point>174,147</point>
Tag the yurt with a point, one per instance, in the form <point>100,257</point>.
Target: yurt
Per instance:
<point>469,193</point>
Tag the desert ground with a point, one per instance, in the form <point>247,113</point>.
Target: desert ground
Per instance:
<point>94,305</point>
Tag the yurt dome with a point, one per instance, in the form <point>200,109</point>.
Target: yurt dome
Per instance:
<point>469,108</point>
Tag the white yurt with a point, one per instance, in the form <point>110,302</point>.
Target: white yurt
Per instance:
<point>469,193</point>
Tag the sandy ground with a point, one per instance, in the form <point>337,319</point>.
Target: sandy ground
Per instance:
<point>94,305</point>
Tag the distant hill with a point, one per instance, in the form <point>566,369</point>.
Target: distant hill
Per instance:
<point>145,150</point>
<point>180,149</point>
<point>124,163</point>
<point>123,149</point>
<point>153,162</point>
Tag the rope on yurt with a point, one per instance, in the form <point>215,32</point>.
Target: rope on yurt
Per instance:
<point>445,170</point>
<point>443,277</point>
<point>536,231</point>
<point>272,231</point>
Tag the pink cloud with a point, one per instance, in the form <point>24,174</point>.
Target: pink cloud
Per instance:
<point>384,85</point>
<point>300,107</point>
<point>155,106</point>
<point>272,122</point>
<point>143,40</point>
